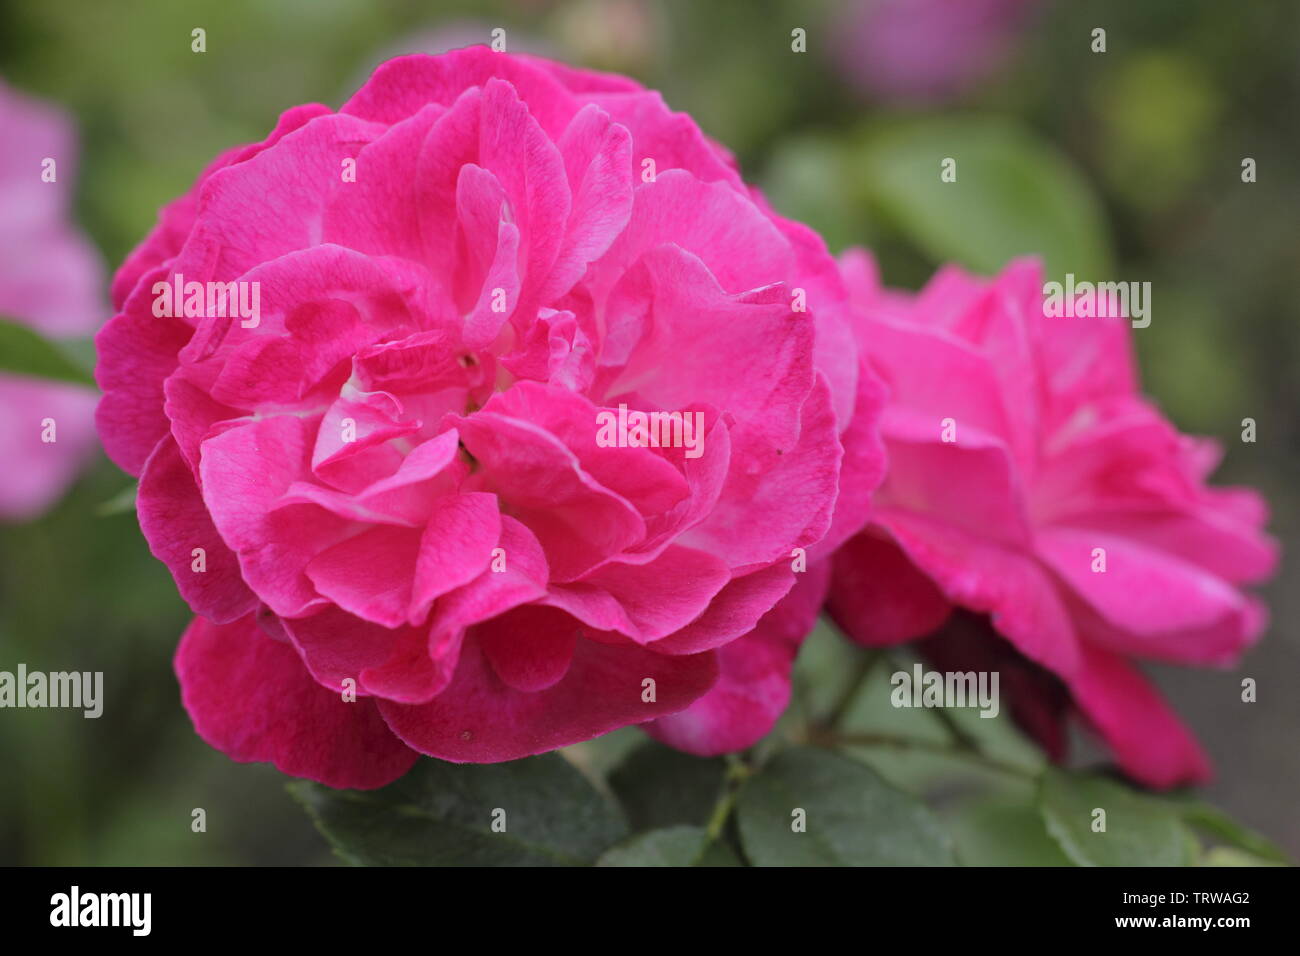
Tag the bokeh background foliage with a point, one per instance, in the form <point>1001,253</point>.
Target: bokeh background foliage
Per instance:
<point>1122,165</point>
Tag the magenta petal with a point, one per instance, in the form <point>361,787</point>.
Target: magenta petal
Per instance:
<point>578,521</point>
<point>643,476</point>
<point>481,719</point>
<point>403,85</point>
<point>1015,590</point>
<point>863,466</point>
<point>370,575</point>
<point>177,218</point>
<point>176,523</point>
<point>529,648</point>
<point>598,162</point>
<point>753,685</point>
<point>645,601</point>
<point>252,698</point>
<point>244,472</point>
<point>1164,606</point>
<point>377,213</point>
<point>420,665</point>
<point>137,351</point>
<point>274,202</point>
<point>793,489</point>
<point>734,611</point>
<point>1149,740</point>
<point>338,646</point>
<point>989,502</point>
<point>879,597</point>
<point>455,547</point>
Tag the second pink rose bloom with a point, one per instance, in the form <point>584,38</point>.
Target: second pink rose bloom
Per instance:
<point>1031,482</point>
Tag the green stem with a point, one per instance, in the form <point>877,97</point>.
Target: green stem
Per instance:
<point>860,675</point>
<point>737,772</point>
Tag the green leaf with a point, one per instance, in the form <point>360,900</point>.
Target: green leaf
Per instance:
<point>1014,195</point>
<point>1140,830</point>
<point>852,817</point>
<point>1214,822</point>
<point>598,756</point>
<point>672,846</point>
<point>994,833</point>
<point>24,352</point>
<point>661,787</point>
<point>719,853</point>
<point>120,503</point>
<point>442,814</point>
<point>804,180</point>
<point>827,669</point>
<point>1231,856</point>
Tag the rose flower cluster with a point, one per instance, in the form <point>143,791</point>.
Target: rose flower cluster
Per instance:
<point>494,412</point>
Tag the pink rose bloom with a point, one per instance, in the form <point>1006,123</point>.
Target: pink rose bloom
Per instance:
<point>397,474</point>
<point>50,279</point>
<point>1051,454</point>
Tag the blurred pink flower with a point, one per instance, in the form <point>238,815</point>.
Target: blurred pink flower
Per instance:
<point>51,279</point>
<point>925,50</point>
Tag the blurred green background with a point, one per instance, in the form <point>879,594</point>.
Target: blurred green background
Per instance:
<point>1124,165</point>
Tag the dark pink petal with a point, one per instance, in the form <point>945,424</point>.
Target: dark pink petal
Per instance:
<point>988,502</point>
<point>1013,588</point>
<point>177,217</point>
<point>933,376</point>
<point>338,646</point>
<point>369,575</point>
<point>878,597</point>
<point>493,128</point>
<point>406,497</point>
<point>862,468</point>
<point>1156,605</point>
<point>677,320</point>
<point>273,203</point>
<point>671,139</point>
<point>252,698</point>
<point>579,522</point>
<point>645,601</point>
<point>793,489</point>
<point>598,163</point>
<point>643,476</point>
<point>195,415</point>
<point>530,647</point>
<point>358,421</point>
<point>405,84</point>
<point>175,523</point>
<point>243,474</point>
<point>1150,742</point>
<point>137,351</point>
<point>455,547</point>
<point>1237,552</point>
<point>734,611</point>
<point>377,213</point>
<point>481,719</point>
<point>739,246</point>
<point>753,685</point>
<point>421,661</point>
